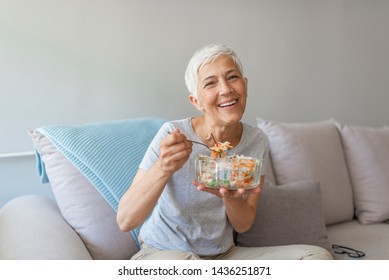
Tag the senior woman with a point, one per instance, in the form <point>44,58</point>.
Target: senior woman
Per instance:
<point>186,219</point>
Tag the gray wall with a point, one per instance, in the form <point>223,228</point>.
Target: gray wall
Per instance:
<point>77,61</point>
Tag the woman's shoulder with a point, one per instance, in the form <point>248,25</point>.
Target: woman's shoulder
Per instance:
<point>180,122</point>
<point>255,142</point>
<point>254,136</point>
<point>253,130</point>
<point>184,125</point>
<point>171,124</point>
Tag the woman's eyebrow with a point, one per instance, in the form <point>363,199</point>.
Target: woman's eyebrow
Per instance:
<point>208,78</point>
<point>231,70</point>
<point>214,76</point>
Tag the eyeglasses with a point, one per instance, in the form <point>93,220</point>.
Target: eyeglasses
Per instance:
<point>349,251</point>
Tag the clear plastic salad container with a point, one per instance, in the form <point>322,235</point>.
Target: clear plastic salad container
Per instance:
<point>232,172</point>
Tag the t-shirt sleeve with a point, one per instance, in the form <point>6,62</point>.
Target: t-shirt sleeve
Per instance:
<point>255,144</point>
<point>265,154</point>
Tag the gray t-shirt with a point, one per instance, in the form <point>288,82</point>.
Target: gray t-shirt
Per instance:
<point>184,218</point>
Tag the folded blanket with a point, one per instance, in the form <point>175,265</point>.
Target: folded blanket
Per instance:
<point>108,153</point>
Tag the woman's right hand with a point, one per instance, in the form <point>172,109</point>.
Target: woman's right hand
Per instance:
<point>175,151</point>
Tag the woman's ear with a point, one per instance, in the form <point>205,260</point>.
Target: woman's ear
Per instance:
<point>247,81</point>
<point>195,102</point>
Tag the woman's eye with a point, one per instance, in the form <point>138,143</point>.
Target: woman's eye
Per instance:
<point>209,84</point>
<point>232,77</point>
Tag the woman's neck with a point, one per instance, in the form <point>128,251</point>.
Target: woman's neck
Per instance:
<point>206,128</point>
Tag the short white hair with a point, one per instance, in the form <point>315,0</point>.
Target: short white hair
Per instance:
<point>204,56</point>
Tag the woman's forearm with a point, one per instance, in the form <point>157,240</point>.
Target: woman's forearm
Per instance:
<point>241,212</point>
<point>139,201</point>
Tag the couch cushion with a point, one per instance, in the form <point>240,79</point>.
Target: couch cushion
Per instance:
<point>287,214</point>
<point>370,239</point>
<point>312,151</point>
<point>367,155</point>
<point>32,228</point>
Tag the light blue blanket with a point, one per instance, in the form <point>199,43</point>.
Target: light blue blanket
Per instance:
<point>108,153</point>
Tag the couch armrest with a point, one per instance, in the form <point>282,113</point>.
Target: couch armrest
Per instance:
<point>32,227</point>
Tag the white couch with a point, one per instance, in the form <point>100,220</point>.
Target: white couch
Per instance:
<point>352,165</point>
<point>327,184</point>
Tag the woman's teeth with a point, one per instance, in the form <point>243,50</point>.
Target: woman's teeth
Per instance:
<point>228,104</point>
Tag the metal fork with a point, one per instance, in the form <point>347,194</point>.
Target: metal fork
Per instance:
<point>196,142</point>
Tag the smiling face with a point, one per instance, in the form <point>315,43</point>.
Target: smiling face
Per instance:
<point>221,92</point>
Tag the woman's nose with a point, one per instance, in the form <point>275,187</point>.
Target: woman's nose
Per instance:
<point>224,87</point>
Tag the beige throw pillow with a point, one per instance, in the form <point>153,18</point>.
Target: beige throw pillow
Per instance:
<point>312,151</point>
<point>367,155</point>
<point>82,206</point>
